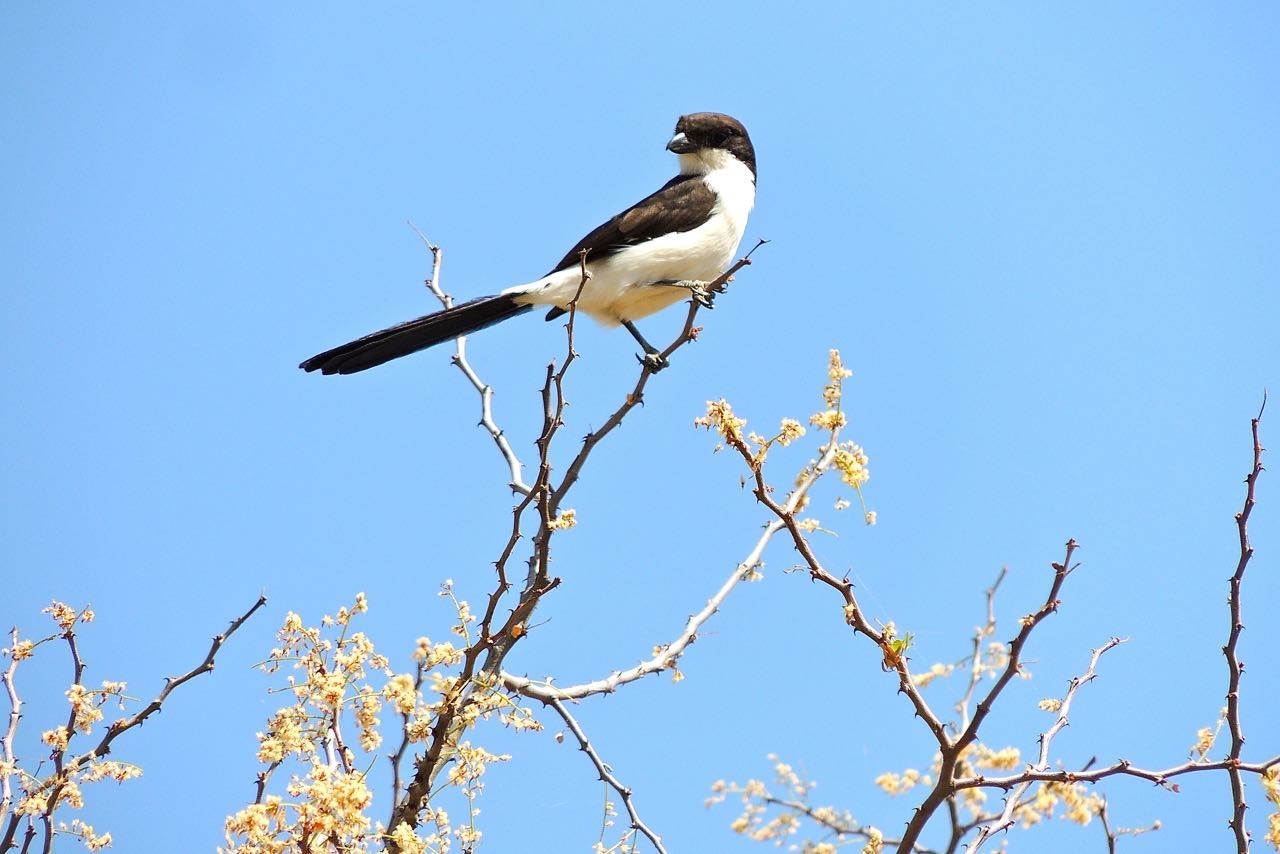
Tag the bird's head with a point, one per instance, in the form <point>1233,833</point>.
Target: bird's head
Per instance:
<point>705,141</point>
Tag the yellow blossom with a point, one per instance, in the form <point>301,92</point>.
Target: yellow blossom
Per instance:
<point>564,520</point>
<point>400,691</point>
<point>1205,737</point>
<point>830,419</point>
<point>63,614</point>
<point>85,711</point>
<point>22,649</point>
<point>720,417</point>
<point>920,680</point>
<point>56,738</point>
<point>790,431</point>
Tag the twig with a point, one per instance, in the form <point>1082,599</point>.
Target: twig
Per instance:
<point>1234,667</point>
<point>398,757</point>
<point>607,776</point>
<point>63,769</point>
<point>835,826</point>
<point>1005,820</point>
<point>951,752</point>
<point>495,645</point>
<point>1106,827</point>
<point>852,609</point>
<point>482,388</point>
<point>125,724</point>
<point>1120,768</point>
<point>975,669</point>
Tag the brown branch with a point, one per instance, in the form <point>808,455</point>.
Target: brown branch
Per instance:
<point>398,757</point>
<point>1106,828</point>
<point>495,645</point>
<point>1120,768</point>
<point>123,725</point>
<point>1114,835</point>
<point>1234,667</point>
<point>63,769</point>
<point>853,611</point>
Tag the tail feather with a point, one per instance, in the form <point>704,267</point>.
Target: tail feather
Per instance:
<point>414,335</point>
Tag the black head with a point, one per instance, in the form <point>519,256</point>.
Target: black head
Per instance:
<point>699,132</point>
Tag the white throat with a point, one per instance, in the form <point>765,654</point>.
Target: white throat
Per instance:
<point>706,160</point>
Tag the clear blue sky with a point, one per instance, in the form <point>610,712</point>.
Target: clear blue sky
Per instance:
<point>1044,239</point>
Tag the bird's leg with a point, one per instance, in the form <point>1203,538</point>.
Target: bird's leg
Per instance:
<point>652,357</point>
<point>703,293</point>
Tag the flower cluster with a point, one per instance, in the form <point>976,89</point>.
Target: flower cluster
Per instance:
<point>1079,804</point>
<point>1271,788</point>
<point>44,790</point>
<point>847,458</point>
<point>343,679</point>
<point>792,809</point>
<point>1205,738</point>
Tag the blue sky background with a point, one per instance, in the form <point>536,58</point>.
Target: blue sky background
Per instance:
<point>1044,238</point>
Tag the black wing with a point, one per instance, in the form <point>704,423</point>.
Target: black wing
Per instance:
<point>683,204</point>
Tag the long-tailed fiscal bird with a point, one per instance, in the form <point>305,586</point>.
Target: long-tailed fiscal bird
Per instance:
<point>655,253</point>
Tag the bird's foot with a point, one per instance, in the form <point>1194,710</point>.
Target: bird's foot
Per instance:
<point>703,293</point>
<point>654,361</point>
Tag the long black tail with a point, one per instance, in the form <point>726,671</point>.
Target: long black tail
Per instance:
<point>414,335</point>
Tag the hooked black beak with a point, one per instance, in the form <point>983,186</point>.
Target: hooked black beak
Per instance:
<point>680,144</point>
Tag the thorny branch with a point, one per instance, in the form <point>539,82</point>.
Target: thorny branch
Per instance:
<point>64,768</point>
<point>953,743</point>
<point>482,388</point>
<point>479,674</point>
<point>606,775</point>
<point>1005,820</point>
<point>1234,667</point>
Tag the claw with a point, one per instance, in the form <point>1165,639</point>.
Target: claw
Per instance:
<point>653,361</point>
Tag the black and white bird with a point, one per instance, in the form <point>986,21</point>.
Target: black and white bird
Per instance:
<point>648,257</point>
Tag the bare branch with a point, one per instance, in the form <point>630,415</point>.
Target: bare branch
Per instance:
<point>1006,820</point>
<point>123,725</point>
<point>1120,768</point>
<point>975,665</point>
<point>607,775</point>
<point>1234,667</point>
<point>835,825</point>
<point>482,388</point>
